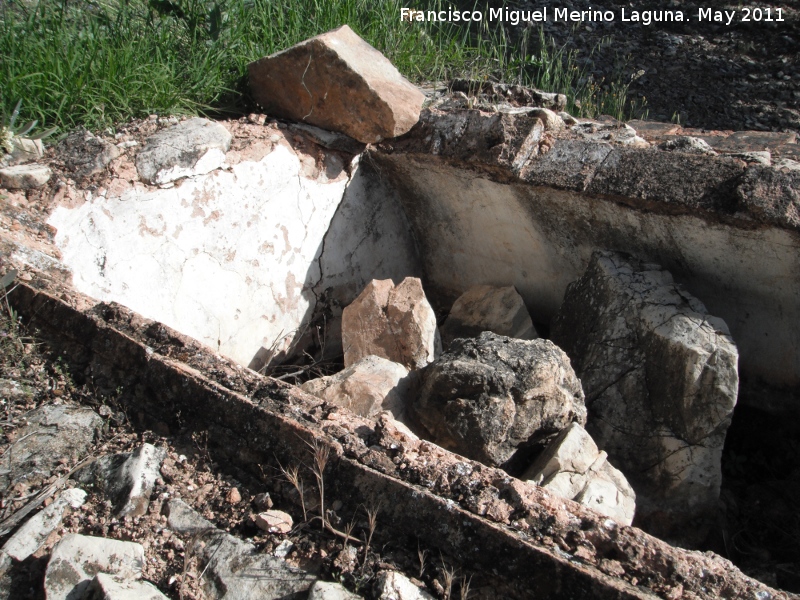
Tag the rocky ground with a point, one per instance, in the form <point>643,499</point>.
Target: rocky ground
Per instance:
<point>708,75</point>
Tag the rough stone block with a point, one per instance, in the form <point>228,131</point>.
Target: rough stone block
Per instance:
<point>337,81</point>
<point>25,177</point>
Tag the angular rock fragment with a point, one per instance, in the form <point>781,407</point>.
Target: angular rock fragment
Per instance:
<point>76,559</point>
<point>391,585</point>
<point>688,145</point>
<point>194,147</point>
<point>25,177</point>
<point>339,82</point>
<point>30,537</point>
<point>573,467</point>
<point>85,154</point>
<point>53,433</point>
<point>126,479</point>
<point>489,397</point>
<point>396,323</point>
<point>367,388</point>
<point>274,521</point>
<point>487,308</point>
<point>182,518</point>
<point>24,150</point>
<point>106,587</point>
<point>235,569</point>
<point>661,381</point>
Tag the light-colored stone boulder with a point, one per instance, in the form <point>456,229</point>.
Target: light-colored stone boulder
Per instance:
<point>337,81</point>
<point>30,537</point>
<point>396,323</point>
<point>25,177</point>
<point>487,308</point>
<point>126,479</point>
<point>573,467</point>
<point>182,518</point>
<point>76,559</point>
<point>367,388</point>
<point>85,154</point>
<point>661,381</point>
<point>391,585</point>
<point>194,147</point>
<point>23,150</point>
<point>488,397</point>
<point>274,521</point>
<point>326,590</point>
<point>106,587</point>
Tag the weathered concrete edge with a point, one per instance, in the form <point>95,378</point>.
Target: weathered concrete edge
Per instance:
<point>247,435</point>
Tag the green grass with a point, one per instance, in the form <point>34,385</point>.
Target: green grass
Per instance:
<point>100,62</point>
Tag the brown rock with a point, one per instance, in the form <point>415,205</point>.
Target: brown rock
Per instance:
<point>339,82</point>
<point>396,323</point>
<point>274,521</point>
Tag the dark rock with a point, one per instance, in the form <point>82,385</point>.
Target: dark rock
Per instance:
<point>491,396</point>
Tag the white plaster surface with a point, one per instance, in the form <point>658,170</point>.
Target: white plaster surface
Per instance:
<point>474,231</point>
<point>228,258</point>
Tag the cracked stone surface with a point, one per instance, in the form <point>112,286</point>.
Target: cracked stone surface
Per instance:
<point>85,154</point>
<point>24,177</point>
<point>661,381</point>
<point>228,258</point>
<point>337,81</point>
<point>573,467</point>
<point>493,397</point>
<point>194,147</point>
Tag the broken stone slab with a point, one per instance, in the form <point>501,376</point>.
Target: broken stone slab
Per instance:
<point>394,322</point>
<point>126,479</point>
<point>486,308</point>
<point>190,148</point>
<point>25,177</point>
<point>76,559</point>
<point>325,590</point>
<point>661,381</point>
<point>621,134</point>
<point>106,587</point>
<point>233,569</point>
<point>391,585</point>
<point>367,387</point>
<point>337,81</point>
<point>85,154</point>
<point>489,397</point>
<point>53,433</point>
<point>573,467</point>
<point>769,193</point>
<point>517,94</point>
<point>329,139</point>
<point>30,537</point>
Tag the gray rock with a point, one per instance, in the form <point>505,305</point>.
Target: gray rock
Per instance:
<point>25,177</point>
<point>551,121</point>
<point>688,145</point>
<point>367,388</point>
<point>486,308</point>
<point>337,81</point>
<point>233,569</point>
<point>126,479</point>
<point>489,397</point>
<point>53,432</point>
<point>85,154</point>
<point>30,537</point>
<point>391,585</point>
<point>573,467</point>
<point>76,559</point>
<point>756,157</point>
<point>106,587</point>
<point>181,518</point>
<point>194,147</point>
<point>24,150</point>
<point>661,381</point>
<point>393,322</point>
<point>621,134</point>
<point>325,590</point>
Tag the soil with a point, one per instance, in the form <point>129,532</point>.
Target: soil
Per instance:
<point>742,76</point>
